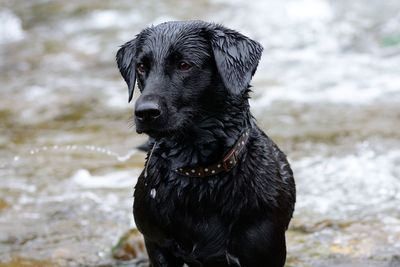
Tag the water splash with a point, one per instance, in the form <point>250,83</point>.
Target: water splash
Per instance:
<point>357,184</point>
<point>70,148</point>
<point>10,28</point>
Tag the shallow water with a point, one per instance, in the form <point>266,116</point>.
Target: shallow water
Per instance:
<point>327,91</point>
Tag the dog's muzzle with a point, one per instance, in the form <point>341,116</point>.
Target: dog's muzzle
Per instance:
<point>147,111</point>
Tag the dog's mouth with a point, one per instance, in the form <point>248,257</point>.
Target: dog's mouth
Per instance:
<point>156,133</point>
<point>152,133</point>
<point>153,128</point>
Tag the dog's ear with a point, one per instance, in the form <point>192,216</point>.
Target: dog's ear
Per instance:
<point>236,57</point>
<point>126,62</point>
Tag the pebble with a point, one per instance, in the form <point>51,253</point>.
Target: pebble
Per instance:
<point>130,246</point>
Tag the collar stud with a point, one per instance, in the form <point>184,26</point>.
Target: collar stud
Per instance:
<point>227,163</point>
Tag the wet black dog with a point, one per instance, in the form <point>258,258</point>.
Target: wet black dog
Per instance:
<point>216,191</point>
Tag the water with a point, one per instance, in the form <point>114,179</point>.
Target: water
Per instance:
<point>327,91</point>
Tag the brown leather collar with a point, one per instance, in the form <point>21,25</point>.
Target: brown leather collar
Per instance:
<point>225,165</point>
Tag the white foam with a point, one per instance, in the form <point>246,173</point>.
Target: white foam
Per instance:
<point>18,184</point>
<point>349,185</point>
<point>103,19</point>
<point>162,19</point>
<point>121,179</point>
<point>304,10</point>
<point>311,55</point>
<point>10,27</point>
<point>88,44</point>
<point>335,79</point>
<point>115,99</point>
<point>50,198</point>
<point>110,18</point>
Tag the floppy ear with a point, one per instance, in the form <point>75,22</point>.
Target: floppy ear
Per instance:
<point>236,56</point>
<point>127,65</point>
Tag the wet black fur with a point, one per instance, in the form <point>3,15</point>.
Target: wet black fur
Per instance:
<point>231,219</point>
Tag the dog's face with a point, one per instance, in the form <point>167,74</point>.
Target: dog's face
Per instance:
<point>182,68</point>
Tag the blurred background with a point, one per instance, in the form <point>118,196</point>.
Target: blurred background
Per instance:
<point>327,91</point>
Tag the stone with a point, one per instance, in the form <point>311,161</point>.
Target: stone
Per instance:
<point>130,246</point>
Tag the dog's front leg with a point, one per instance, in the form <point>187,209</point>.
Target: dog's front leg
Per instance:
<point>160,257</point>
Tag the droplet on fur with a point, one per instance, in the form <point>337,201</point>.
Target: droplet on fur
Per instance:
<point>153,193</point>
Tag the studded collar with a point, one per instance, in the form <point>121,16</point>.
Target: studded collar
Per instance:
<point>225,165</point>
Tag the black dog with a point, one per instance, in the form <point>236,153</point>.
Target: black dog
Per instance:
<point>216,191</point>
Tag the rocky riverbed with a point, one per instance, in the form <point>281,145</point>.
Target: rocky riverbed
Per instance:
<point>327,91</point>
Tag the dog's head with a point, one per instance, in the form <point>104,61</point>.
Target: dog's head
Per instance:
<point>183,70</point>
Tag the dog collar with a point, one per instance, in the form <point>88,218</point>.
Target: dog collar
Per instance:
<point>225,165</point>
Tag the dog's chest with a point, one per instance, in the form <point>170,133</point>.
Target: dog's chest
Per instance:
<point>180,216</point>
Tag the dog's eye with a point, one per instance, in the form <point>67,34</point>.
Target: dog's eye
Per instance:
<point>184,66</point>
<point>141,68</point>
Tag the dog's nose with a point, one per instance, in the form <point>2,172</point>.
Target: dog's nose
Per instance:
<point>147,111</point>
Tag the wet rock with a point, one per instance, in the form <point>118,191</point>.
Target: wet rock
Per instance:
<point>307,227</point>
<point>341,249</point>
<point>23,262</point>
<point>130,246</point>
<point>395,261</point>
<point>62,253</point>
<point>3,204</point>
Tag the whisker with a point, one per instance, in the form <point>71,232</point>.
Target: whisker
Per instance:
<point>131,122</point>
